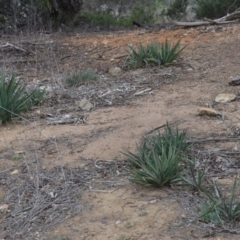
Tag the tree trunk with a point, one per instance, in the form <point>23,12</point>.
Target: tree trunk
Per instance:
<point>66,6</point>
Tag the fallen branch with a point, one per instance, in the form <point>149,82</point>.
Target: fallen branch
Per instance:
<point>229,18</point>
<point>218,22</point>
<point>13,46</point>
<point>232,16</point>
<point>212,140</point>
<point>192,24</point>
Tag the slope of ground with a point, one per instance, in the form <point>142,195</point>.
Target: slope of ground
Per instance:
<point>111,207</point>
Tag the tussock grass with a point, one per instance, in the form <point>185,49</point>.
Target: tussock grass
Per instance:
<point>76,79</point>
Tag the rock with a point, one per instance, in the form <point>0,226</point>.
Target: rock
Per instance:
<point>4,208</point>
<point>118,222</point>
<point>14,172</point>
<point>235,81</point>
<point>208,112</point>
<point>225,97</point>
<point>85,105</point>
<point>115,70</point>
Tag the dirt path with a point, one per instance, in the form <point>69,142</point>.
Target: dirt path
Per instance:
<point>125,211</point>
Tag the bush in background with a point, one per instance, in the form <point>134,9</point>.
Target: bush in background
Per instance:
<point>215,8</point>
<point>177,9</point>
<point>140,13</point>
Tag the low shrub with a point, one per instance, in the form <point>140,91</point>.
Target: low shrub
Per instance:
<point>177,9</point>
<point>79,78</point>
<point>216,8</point>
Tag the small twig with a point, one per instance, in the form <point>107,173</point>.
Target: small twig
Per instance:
<point>106,162</point>
<point>75,55</point>
<point>121,56</point>
<point>156,128</point>
<point>103,191</point>
<point>72,55</point>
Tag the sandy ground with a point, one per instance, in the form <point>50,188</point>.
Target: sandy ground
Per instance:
<point>124,211</point>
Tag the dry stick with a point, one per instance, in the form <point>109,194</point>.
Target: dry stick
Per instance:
<point>156,128</point>
<point>122,56</point>
<point>13,46</point>
<point>38,128</point>
<point>54,142</point>
<point>162,126</point>
<point>74,55</point>
<point>212,140</point>
<point>16,47</point>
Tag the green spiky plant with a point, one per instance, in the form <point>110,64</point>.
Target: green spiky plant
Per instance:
<point>14,99</point>
<point>153,53</point>
<point>160,159</point>
<point>220,208</point>
<point>194,177</point>
<point>169,53</point>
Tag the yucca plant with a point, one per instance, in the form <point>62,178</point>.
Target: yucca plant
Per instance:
<point>160,159</point>
<point>220,207</point>
<point>153,53</point>
<point>142,55</point>
<point>172,138</point>
<point>169,53</point>
<point>194,177</point>
<point>79,78</point>
<point>209,212</point>
<point>13,98</point>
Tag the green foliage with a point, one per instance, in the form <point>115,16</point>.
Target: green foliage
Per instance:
<point>14,99</point>
<point>37,96</point>
<point>2,20</point>
<point>160,159</point>
<point>142,55</point>
<point>194,177</point>
<point>141,14</point>
<point>177,9</point>
<point>104,19</point>
<point>169,53</point>
<point>79,78</point>
<point>215,8</point>
<point>153,53</point>
<point>220,208</point>
<point>43,4</point>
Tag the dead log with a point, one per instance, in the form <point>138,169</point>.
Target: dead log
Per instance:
<point>230,18</point>
<point>192,24</point>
